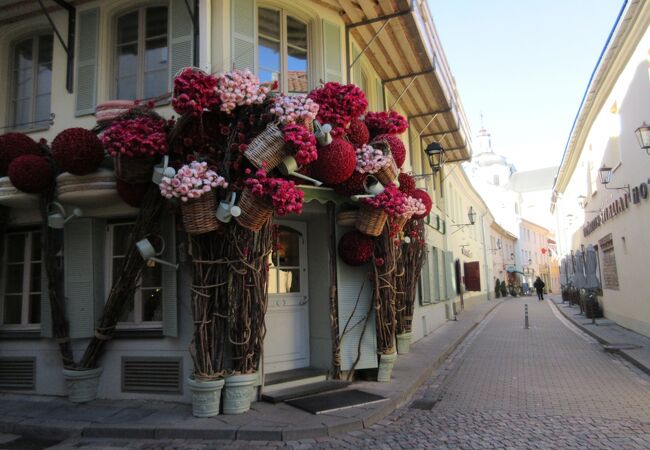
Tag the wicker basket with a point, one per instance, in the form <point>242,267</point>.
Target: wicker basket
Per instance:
<point>388,173</point>
<point>254,211</point>
<point>399,222</point>
<point>371,220</point>
<point>134,170</point>
<point>347,218</point>
<point>267,150</point>
<point>199,214</point>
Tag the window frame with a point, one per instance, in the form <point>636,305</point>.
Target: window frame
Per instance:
<point>31,125</point>
<point>141,44</point>
<point>26,292</point>
<point>137,323</point>
<point>283,85</point>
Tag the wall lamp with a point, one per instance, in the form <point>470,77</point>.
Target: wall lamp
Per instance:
<point>436,157</point>
<point>494,250</point>
<point>605,174</point>
<point>471,216</point>
<point>582,201</point>
<point>643,136</point>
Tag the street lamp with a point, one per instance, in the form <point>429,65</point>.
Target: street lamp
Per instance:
<point>582,201</point>
<point>436,157</point>
<point>471,216</point>
<point>605,175</point>
<point>643,136</point>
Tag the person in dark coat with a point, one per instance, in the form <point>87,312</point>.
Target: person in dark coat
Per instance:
<point>539,287</point>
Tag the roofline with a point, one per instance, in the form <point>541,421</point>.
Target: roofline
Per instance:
<point>503,231</point>
<point>535,225</point>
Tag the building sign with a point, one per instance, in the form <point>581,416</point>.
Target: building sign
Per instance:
<point>608,264</point>
<point>615,208</point>
<point>466,251</point>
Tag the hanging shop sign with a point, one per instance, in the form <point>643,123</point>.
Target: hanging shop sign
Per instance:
<point>615,208</point>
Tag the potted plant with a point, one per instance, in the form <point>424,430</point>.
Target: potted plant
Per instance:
<point>504,289</point>
<point>497,288</point>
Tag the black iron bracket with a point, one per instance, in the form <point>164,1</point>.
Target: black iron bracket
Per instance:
<point>429,113</point>
<point>408,75</point>
<point>441,133</point>
<point>69,46</point>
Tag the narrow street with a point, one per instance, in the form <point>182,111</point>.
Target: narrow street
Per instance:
<point>550,386</point>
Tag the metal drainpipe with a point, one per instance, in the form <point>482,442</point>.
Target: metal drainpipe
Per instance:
<point>485,257</point>
<point>450,301</point>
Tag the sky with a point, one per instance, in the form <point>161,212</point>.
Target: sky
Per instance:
<point>525,65</point>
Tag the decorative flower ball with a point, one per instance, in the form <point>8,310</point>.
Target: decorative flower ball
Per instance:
<point>386,123</point>
<point>356,248</point>
<point>31,173</point>
<point>357,133</point>
<point>351,186</point>
<point>13,145</point>
<point>424,198</point>
<point>396,145</point>
<point>78,151</point>
<point>335,163</point>
<point>132,194</point>
<point>406,183</point>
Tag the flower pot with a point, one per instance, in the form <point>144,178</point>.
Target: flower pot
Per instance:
<point>134,170</point>
<point>404,343</point>
<point>206,396</point>
<point>82,384</point>
<point>371,220</point>
<point>13,198</point>
<point>388,173</point>
<point>255,211</point>
<point>386,363</point>
<point>238,392</point>
<point>87,191</point>
<point>267,149</point>
<point>199,214</point>
<point>399,222</point>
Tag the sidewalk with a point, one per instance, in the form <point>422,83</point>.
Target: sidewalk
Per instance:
<point>55,417</point>
<point>608,333</point>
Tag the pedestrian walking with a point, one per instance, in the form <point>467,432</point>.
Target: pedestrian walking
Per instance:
<point>539,287</point>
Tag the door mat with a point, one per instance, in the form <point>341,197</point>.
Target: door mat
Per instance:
<point>334,401</point>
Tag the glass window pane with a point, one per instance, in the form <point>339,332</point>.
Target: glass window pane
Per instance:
<point>23,55</point>
<point>296,33</point>
<point>23,112</point>
<point>128,314</point>
<point>12,309</point>
<point>45,49</point>
<point>126,88</point>
<point>269,56</point>
<point>42,107</point>
<point>127,60</point>
<point>156,55</point>
<point>121,234</point>
<point>152,305</point>
<point>24,83</point>
<point>269,23</point>
<point>289,281</point>
<point>289,248</point>
<point>297,71</point>
<point>155,83</point>
<point>35,284</point>
<point>152,276</point>
<point>36,247</point>
<point>15,247</point>
<point>157,21</point>
<point>44,80</point>
<point>35,308</point>
<point>14,281</point>
<point>127,28</point>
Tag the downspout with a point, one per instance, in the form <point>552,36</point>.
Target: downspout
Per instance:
<point>485,257</point>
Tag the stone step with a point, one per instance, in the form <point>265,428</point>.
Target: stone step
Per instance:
<point>292,378</point>
<point>282,395</point>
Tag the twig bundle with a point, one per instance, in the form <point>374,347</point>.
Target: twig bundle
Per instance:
<point>411,261</point>
<point>385,292</point>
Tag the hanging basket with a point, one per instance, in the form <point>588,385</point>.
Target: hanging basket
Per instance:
<point>399,222</point>
<point>134,170</point>
<point>347,218</point>
<point>255,211</point>
<point>371,220</point>
<point>388,173</point>
<point>267,149</point>
<point>199,214</point>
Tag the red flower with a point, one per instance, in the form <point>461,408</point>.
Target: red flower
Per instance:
<point>386,123</point>
<point>424,198</point>
<point>392,201</point>
<point>358,134</point>
<point>339,104</point>
<point>351,186</point>
<point>138,137</point>
<point>13,145</point>
<point>356,248</point>
<point>406,183</point>
<point>396,146</point>
<point>31,173</point>
<point>283,194</point>
<point>78,151</point>
<point>194,92</point>
<point>336,162</point>
<point>299,140</point>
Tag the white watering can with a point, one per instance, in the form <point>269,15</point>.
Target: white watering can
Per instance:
<point>57,219</point>
<point>372,185</point>
<point>163,170</point>
<point>148,252</point>
<point>227,209</point>
<point>323,133</point>
<point>289,167</point>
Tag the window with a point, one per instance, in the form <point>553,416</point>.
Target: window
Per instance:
<point>142,54</point>
<point>31,82</point>
<point>283,51</point>
<point>284,272</point>
<point>145,307</point>
<point>21,305</point>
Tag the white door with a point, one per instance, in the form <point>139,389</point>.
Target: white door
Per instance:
<point>286,345</point>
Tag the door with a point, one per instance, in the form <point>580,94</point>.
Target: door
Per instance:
<point>286,345</point>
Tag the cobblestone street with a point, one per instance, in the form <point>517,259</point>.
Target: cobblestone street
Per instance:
<point>550,386</point>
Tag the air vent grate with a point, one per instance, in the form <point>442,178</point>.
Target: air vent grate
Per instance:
<point>152,375</point>
<point>18,374</point>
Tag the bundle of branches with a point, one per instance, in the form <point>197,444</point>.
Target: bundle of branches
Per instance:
<point>125,283</point>
<point>247,291</point>
<point>209,304</point>
<point>412,260</point>
<point>385,291</point>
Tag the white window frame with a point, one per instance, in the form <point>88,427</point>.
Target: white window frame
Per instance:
<point>284,52</point>
<point>137,296</point>
<point>27,277</point>
<point>30,125</point>
<point>142,38</point>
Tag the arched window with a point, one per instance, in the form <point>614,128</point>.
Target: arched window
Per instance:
<point>283,50</point>
<point>31,77</point>
<point>142,54</point>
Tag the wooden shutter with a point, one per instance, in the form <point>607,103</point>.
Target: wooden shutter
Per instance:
<point>425,278</point>
<point>450,288</point>
<point>169,274</point>
<point>182,37</point>
<point>472,276</point>
<point>332,52</point>
<point>86,77</point>
<point>243,18</point>
<point>46,312</point>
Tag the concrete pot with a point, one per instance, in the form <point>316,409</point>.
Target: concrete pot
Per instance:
<point>404,343</point>
<point>206,396</point>
<point>238,392</point>
<point>82,384</point>
<point>386,363</point>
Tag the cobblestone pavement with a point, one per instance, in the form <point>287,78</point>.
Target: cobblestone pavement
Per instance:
<point>547,387</point>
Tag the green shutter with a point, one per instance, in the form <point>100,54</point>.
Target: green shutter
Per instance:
<point>98,268</point>
<point>379,86</point>
<point>449,275</point>
<point>169,274</point>
<point>425,278</point>
<point>81,273</point>
<point>182,37</point>
<point>86,77</point>
<point>332,52</point>
<point>46,312</point>
<point>243,21</point>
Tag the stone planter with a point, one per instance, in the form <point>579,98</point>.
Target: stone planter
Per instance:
<point>82,384</point>
<point>386,363</point>
<point>404,343</point>
<point>206,396</point>
<point>238,392</point>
